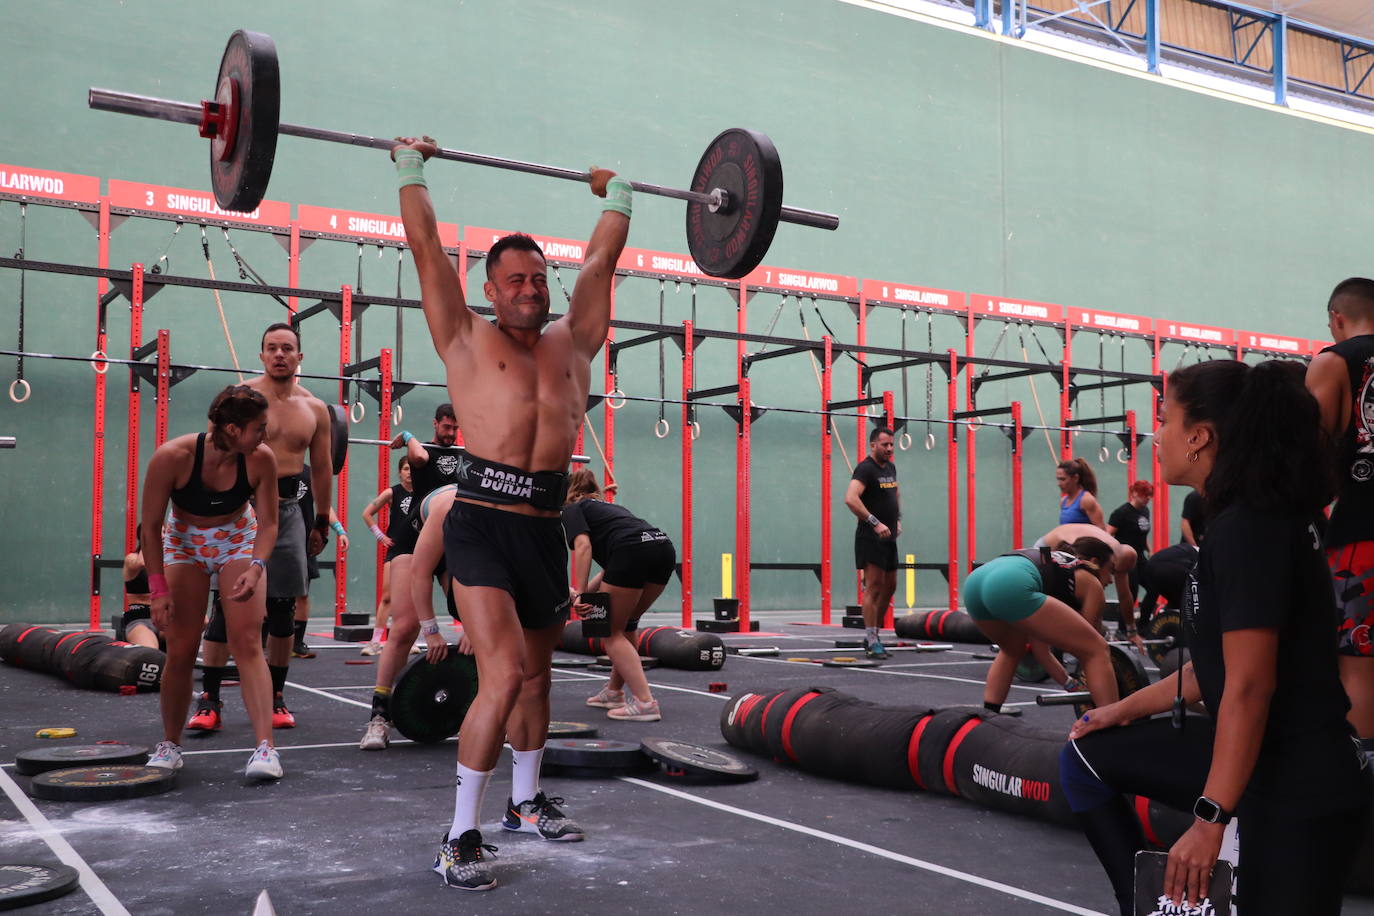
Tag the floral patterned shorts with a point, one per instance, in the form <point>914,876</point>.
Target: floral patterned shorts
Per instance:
<point>209,548</point>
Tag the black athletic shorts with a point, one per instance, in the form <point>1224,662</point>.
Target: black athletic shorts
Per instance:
<point>523,555</point>
<point>869,550</point>
<point>641,563</point>
<point>403,543</point>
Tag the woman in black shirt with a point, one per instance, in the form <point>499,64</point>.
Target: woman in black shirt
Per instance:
<point>636,561</point>
<point>1275,748</point>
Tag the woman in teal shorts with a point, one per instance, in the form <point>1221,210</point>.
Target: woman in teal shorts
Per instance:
<point>1043,594</point>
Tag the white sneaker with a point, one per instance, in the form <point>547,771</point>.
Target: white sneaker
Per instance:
<point>372,648</point>
<point>636,710</point>
<point>264,764</point>
<point>606,698</point>
<point>377,736</point>
<point>166,755</point>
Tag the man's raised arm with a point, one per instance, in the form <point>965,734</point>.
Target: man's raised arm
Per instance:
<point>441,293</point>
<point>589,313</point>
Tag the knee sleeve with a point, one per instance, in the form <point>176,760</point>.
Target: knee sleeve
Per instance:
<point>214,630</point>
<point>1082,789</point>
<point>281,617</point>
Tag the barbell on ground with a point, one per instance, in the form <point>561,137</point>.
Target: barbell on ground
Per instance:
<point>734,203</point>
<point>575,459</point>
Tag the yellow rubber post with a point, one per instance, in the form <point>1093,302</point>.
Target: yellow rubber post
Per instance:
<point>910,582</point>
<point>727,576</point>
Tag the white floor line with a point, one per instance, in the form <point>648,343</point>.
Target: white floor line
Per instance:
<point>970,661</point>
<point>871,850</point>
<point>294,747</point>
<point>935,677</point>
<point>331,696</point>
<point>588,675</point>
<point>100,895</point>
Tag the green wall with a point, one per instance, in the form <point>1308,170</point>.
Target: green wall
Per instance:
<point>954,160</point>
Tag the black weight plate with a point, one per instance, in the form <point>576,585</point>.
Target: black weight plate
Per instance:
<point>846,662</point>
<point>338,444</point>
<point>22,884</point>
<point>696,762</point>
<point>595,757</point>
<point>732,241</point>
<point>1165,623</point>
<point>240,181</point>
<point>571,730</point>
<point>65,756</point>
<point>646,662</point>
<point>559,662</point>
<point>102,783</point>
<point>429,702</point>
<point>1129,670</point>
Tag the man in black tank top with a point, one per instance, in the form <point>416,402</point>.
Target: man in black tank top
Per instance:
<point>1341,378</point>
<point>874,499</point>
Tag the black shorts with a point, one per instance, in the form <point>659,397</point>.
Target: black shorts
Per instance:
<point>403,543</point>
<point>522,555</point>
<point>640,563</point>
<point>870,551</point>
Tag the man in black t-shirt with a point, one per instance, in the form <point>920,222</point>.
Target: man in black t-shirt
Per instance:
<point>1193,519</point>
<point>1341,377</point>
<point>873,498</point>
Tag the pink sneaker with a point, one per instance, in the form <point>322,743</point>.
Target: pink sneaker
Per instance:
<point>636,711</point>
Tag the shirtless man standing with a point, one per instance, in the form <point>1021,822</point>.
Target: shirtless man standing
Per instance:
<point>520,393</point>
<point>297,423</point>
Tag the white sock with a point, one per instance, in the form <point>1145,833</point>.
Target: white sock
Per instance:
<point>872,633</point>
<point>467,805</point>
<point>376,634</point>
<point>524,776</point>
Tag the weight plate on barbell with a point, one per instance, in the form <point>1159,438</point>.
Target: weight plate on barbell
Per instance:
<point>240,179</point>
<point>733,240</point>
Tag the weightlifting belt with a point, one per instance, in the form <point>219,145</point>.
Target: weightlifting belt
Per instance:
<point>289,487</point>
<point>478,478</point>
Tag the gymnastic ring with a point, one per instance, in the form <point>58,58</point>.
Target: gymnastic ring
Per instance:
<point>101,357</point>
<point>1123,455</point>
<point>27,390</point>
<point>1103,454</point>
<point>661,428</point>
<point>904,440</point>
<point>611,398</point>
<point>355,413</point>
<point>396,414</point>
<point>930,441</point>
<point>696,430</point>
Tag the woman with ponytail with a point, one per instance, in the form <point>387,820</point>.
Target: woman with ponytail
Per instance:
<point>1077,493</point>
<point>1274,749</point>
<point>209,479</point>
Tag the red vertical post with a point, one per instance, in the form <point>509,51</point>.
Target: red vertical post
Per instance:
<point>98,435</point>
<point>383,455</point>
<point>825,480</point>
<point>345,348</point>
<point>1017,456</point>
<point>970,455</point>
<point>1130,449</point>
<point>742,533</point>
<point>1066,449</point>
<point>1161,519</point>
<point>688,357</point>
<point>889,412</point>
<point>861,437</point>
<point>131,454</point>
<point>164,378</point>
<point>293,264</point>
<point>608,416</point>
<point>952,443</point>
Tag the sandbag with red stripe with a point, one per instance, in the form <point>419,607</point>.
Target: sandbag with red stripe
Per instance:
<point>686,650</point>
<point>26,646</point>
<point>780,716</point>
<point>739,720</point>
<point>944,626</point>
<point>1006,764</point>
<point>932,771</point>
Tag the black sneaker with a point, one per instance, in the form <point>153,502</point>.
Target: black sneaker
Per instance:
<point>541,815</point>
<point>462,864</point>
<point>301,650</point>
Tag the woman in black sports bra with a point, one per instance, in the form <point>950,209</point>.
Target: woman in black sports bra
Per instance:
<point>209,479</point>
<point>137,622</point>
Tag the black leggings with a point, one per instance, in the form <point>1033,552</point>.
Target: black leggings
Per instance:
<point>1292,859</point>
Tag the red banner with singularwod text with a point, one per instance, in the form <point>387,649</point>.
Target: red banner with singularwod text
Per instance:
<point>22,182</point>
<point>183,203</point>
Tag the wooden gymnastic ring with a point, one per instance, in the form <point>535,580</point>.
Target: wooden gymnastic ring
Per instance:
<point>661,428</point>
<point>103,358</point>
<point>356,412</point>
<point>28,390</point>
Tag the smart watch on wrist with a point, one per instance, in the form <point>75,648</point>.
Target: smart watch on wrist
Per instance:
<point>1204,809</point>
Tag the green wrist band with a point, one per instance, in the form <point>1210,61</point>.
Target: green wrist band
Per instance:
<point>410,167</point>
<point>618,196</point>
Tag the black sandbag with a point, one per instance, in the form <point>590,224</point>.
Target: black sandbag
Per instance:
<point>686,650</point>
<point>934,743</point>
<point>946,626</point>
<point>853,739</point>
<point>1006,764</point>
<point>120,664</point>
<point>739,720</point>
<point>36,648</point>
<point>73,659</point>
<point>572,640</point>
